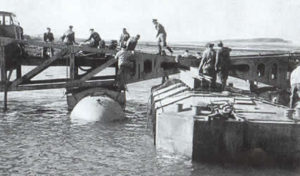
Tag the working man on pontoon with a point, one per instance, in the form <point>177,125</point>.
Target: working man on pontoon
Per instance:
<point>124,37</point>
<point>295,86</point>
<point>161,37</point>
<point>94,39</point>
<point>132,42</point>
<point>198,57</point>
<point>48,38</point>
<point>124,67</point>
<point>222,64</point>
<point>207,64</point>
<point>69,36</point>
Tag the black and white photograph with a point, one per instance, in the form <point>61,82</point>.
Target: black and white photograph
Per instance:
<point>150,87</point>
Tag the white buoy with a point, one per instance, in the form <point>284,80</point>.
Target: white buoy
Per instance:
<point>97,108</point>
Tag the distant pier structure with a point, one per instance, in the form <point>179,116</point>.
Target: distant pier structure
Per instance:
<point>15,54</point>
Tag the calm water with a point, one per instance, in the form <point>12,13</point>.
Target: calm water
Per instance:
<point>37,137</point>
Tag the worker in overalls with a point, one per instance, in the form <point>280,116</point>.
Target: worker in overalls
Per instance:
<point>207,64</point>
<point>295,86</point>
<point>222,65</point>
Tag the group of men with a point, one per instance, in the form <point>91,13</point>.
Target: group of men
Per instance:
<point>215,62</point>
<point>128,44</point>
<point>125,66</point>
<point>94,40</point>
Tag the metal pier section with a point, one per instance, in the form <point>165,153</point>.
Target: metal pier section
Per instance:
<point>15,54</point>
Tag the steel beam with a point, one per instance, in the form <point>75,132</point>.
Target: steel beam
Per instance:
<point>38,69</point>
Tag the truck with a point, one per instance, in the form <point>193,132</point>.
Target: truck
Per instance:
<point>9,26</point>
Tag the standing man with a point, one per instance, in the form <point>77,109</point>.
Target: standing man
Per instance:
<point>94,39</point>
<point>132,42</point>
<point>161,37</point>
<point>48,37</point>
<point>207,64</point>
<point>69,36</point>
<point>295,86</point>
<point>222,65</point>
<point>124,67</point>
<point>124,37</point>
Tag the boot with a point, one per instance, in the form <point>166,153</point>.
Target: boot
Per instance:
<point>169,49</point>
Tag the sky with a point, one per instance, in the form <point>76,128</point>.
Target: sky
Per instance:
<point>184,20</point>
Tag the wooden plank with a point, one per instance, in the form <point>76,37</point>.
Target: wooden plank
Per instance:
<point>81,61</point>
<point>74,84</point>
<point>98,69</point>
<point>62,46</point>
<point>60,80</point>
<point>7,40</point>
<point>38,69</point>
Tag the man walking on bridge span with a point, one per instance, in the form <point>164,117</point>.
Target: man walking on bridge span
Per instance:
<point>161,37</point>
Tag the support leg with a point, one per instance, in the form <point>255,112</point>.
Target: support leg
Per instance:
<point>19,72</point>
<point>73,68</point>
<point>5,97</point>
<point>3,75</point>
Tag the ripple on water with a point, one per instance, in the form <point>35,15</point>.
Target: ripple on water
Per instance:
<point>37,137</point>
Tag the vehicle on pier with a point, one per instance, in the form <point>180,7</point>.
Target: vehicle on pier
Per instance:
<point>9,26</point>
